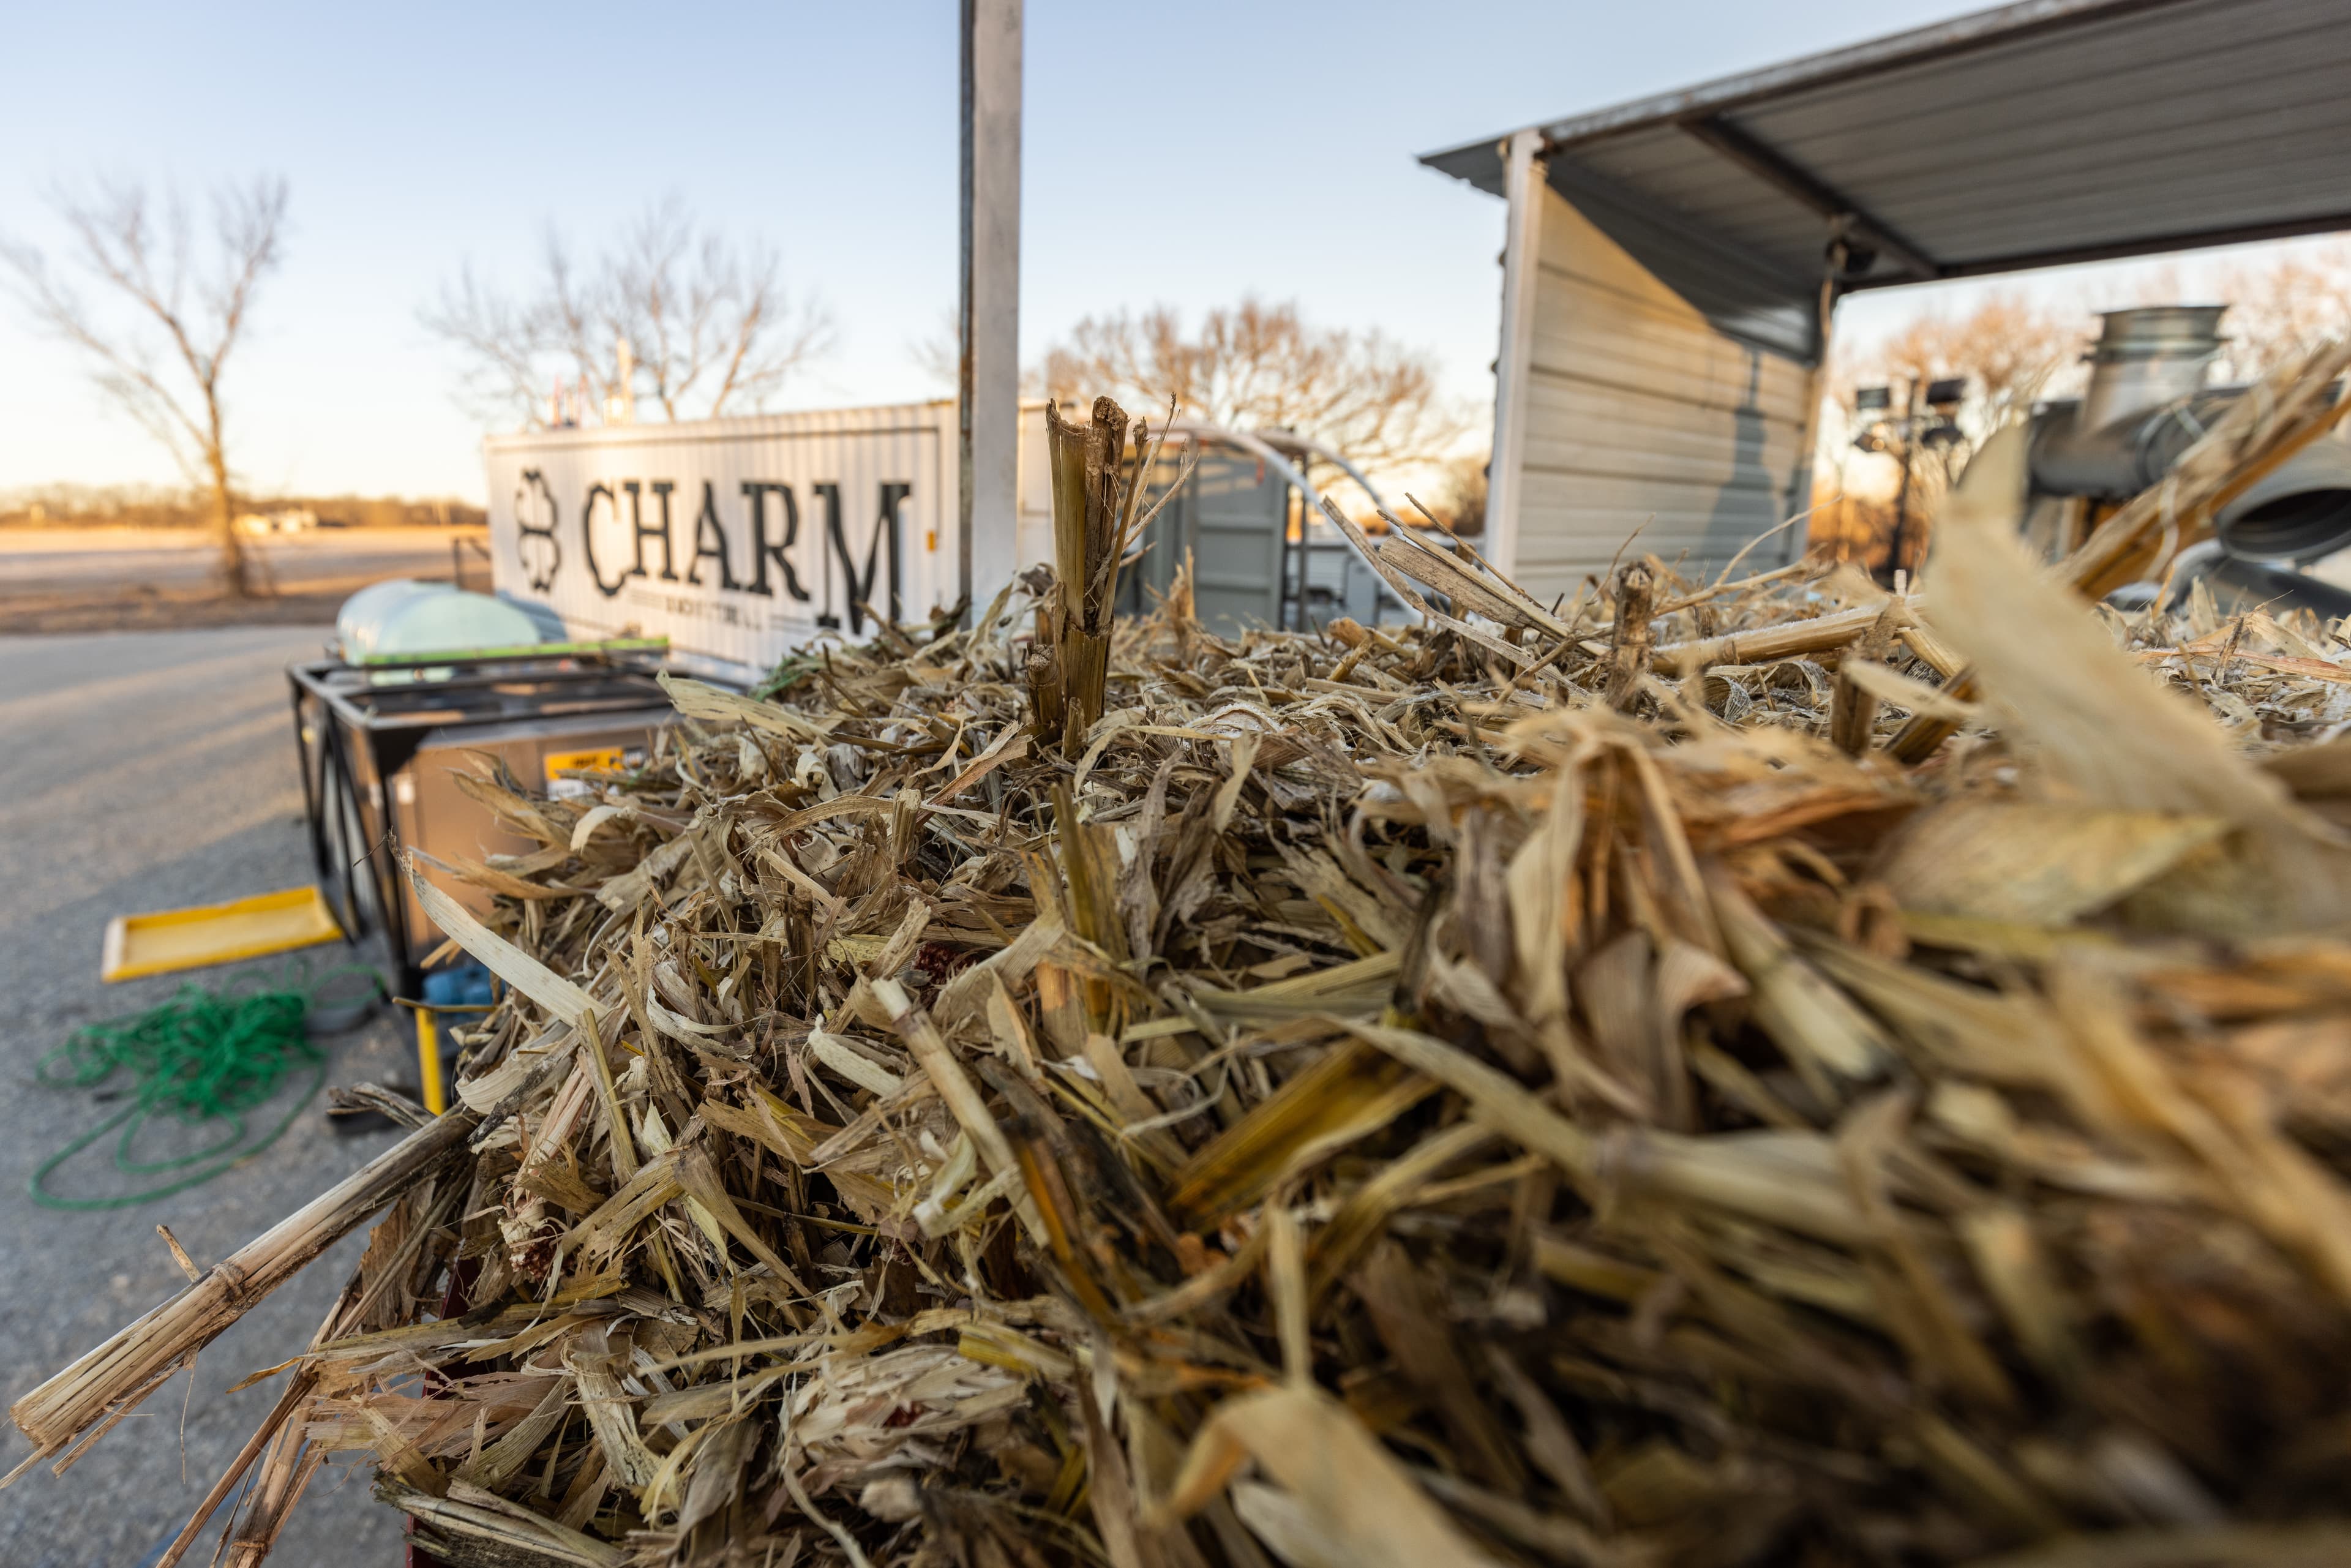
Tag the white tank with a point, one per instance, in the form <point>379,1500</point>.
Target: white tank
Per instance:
<point>403,619</point>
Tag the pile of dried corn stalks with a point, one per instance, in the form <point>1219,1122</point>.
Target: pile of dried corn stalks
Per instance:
<point>1545,1088</point>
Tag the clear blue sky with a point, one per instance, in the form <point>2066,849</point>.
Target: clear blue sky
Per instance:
<point>1279,138</point>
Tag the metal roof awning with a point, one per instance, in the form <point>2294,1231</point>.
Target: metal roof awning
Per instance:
<point>2031,135</point>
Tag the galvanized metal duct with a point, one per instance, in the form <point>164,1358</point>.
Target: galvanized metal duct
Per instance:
<point>2146,406</point>
<point>2238,584</point>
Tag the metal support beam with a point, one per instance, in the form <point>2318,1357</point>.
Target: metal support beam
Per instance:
<point>987,393</point>
<point>1524,185</point>
<point>1995,27</point>
<point>1799,499</point>
<point>2118,250</point>
<point>1769,165</point>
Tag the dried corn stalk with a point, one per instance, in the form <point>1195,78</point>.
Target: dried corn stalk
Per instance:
<point>1370,1100</point>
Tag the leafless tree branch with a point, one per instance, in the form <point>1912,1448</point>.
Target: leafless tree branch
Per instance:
<point>1256,366</point>
<point>180,309</point>
<point>709,325</point>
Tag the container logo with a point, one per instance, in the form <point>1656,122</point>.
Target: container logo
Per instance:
<point>536,546</point>
<point>737,543</point>
<point>631,531</point>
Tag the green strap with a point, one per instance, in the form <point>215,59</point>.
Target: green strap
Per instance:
<point>200,1057</point>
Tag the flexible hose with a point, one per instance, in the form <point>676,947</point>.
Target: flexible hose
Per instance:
<point>200,1058</point>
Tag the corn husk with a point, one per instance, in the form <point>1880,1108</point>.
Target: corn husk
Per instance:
<point>1563,1094</point>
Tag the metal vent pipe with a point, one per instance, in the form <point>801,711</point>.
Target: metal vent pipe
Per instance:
<point>2146,404</point>
<point>2146,358</point>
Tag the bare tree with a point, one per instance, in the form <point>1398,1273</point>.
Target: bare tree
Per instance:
<point>1256,366</point>
<point>1459,498</point>
<point>940,355</point>
<point>669,311</point>
<point>179,304</point>
<point>2278,311</point>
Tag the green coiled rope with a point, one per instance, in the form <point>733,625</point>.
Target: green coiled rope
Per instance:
<point>202,1057</point>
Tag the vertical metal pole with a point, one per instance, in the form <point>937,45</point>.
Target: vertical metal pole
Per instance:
<point>1522,185</point>
<point>1909,426</point>
<point>1805,480</point>
<point>1295,500</point>
<point>987,394</point>
<point>1305,549</point>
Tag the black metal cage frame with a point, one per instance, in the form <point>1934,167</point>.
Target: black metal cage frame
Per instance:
<point>351,725</point>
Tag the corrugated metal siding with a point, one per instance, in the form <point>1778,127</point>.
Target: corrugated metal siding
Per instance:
<point>543,531</point>
<point>563,532</point>
<point>1236,514</point>
<point>2165,61</point>
<point>2039,129</point>
<point>1641,410</point>
<point>1228,517</point>
<point>1743,292</point>
<point>2140,68</point>
<point>1712,191</point>
<point>2138,125</point>
<point>2190,116</point>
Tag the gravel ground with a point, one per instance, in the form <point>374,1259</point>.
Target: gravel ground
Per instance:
<point>140,771</point>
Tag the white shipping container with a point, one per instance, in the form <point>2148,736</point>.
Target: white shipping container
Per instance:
<point>740,539</point>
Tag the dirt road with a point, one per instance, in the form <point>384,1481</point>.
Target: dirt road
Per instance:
<point>122,579</point>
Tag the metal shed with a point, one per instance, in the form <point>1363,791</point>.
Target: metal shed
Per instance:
<point>1671,264</point>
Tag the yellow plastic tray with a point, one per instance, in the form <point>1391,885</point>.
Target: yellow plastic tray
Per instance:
<point>252,927</point>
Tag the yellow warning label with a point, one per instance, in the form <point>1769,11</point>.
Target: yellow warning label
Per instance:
<point>600,759</point>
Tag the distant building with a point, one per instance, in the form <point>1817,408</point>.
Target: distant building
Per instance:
<point>288,520</point>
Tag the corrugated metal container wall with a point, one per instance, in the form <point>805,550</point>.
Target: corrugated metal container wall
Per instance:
<point>740,539</point>
<point>1639,412</point>
<point>1230,519</point>
<point>1234,514</point>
